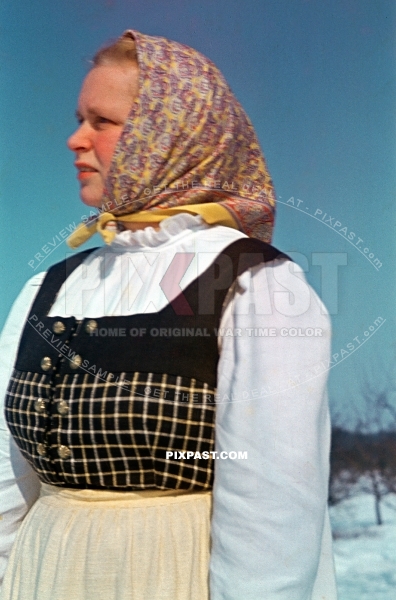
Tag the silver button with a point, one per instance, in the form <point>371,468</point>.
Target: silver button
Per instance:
<point>62,407</point>
<point>76,362</point>
<point>41,450</point>
<point>91,326</point>
<point>46,363</point>
<point>39,405</point>
<point>64,452</point>
<point>58,327</point>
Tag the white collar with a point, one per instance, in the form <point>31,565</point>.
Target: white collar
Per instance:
<point>169,229</point>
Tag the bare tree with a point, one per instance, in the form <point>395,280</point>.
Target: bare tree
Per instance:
<point>364,459</point>
<point>344,476</point>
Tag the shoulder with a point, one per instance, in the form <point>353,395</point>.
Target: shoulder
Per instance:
<point>73,260</point>
<point>31,287</point>
<point>279,287</point>
<point>36,280</point>
<point>23,301</point>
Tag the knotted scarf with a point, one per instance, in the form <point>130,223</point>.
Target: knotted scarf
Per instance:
<point>187,145</point>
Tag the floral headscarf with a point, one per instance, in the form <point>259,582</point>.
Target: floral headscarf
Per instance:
<point>187,141</point>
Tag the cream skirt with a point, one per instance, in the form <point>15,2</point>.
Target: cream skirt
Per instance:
<point>101,545</point>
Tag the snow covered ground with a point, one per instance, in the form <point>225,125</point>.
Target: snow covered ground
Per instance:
<point>365,553</point>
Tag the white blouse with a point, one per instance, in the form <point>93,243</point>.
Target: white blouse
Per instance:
<point>270,531</point>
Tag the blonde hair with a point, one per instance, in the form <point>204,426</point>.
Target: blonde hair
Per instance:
<point>122,51</point>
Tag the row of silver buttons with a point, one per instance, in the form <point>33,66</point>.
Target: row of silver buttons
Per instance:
<point>62,407</point>
<point>63,451</point>
<point>46,362</point>
<point>59,327</point>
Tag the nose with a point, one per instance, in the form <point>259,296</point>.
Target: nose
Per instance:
<point>80,140</point>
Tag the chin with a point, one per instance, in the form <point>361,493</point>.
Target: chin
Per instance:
<point>91,197</point>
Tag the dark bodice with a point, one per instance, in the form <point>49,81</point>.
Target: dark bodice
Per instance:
<point>97,403</point>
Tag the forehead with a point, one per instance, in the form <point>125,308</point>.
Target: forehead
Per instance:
<point>109,85</point>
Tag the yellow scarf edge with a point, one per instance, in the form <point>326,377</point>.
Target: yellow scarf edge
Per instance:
<point>212,213</point>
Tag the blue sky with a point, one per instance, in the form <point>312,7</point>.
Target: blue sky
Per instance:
<point>316,78</point>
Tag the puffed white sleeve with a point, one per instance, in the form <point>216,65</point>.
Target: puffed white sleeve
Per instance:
<point>19,484</point>
<point>270,531</point>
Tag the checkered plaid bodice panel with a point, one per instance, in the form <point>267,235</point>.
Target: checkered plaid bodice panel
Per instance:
<point>91,432</point>
<point>95,411</point>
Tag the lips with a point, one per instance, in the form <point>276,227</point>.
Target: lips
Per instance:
<point>84,170</point>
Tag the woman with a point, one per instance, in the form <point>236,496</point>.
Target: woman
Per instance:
<point>111,399</point>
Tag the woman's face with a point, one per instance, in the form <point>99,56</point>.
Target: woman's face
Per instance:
<point>104,103</point>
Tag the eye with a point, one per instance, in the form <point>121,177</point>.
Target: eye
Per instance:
<point>102,120</point>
